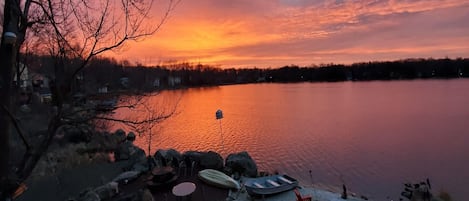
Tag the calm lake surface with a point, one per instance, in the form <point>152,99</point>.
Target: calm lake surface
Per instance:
<point>372,136</point>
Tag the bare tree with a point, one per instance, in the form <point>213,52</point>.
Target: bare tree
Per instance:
<point>79,29</point>
<point>144,113</point>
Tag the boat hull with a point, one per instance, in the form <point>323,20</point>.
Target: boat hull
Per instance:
<point>270,185</point>
<point>218,179</point>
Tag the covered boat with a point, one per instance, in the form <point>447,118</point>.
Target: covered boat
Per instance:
<point>270,184</point>
<point>217,178</point>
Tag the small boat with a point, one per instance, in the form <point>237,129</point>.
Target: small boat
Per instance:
<point>219,179</point>
<point>270,185</point>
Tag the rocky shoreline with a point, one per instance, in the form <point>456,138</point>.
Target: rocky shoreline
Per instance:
<point>84,166</point>
<point>92,166</point>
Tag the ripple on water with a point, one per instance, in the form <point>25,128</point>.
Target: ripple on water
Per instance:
<point>353,132</point>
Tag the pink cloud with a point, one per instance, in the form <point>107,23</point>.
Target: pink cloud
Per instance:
<point>274,33</point>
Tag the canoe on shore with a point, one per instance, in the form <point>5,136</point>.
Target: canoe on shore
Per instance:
<point>270,185</point>
<point>217,178</point>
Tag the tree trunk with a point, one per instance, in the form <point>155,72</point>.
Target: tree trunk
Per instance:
<point>6,65</point>
<point>8,53</point>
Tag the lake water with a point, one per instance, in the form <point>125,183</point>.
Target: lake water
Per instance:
<point>372,136</point>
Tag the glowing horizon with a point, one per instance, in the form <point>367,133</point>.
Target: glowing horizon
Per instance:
<point>265,33</point>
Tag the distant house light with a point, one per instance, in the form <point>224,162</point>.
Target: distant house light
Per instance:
<point>9,37</point>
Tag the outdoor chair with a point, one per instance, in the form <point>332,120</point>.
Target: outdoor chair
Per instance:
<point>301,198</point>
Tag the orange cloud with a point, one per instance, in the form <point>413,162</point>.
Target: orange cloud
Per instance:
<point>200,36</point>
<point>274,33</point>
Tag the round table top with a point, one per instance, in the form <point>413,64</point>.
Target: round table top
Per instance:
<point>183,189</point>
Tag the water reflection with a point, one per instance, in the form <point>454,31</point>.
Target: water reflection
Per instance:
<point>374,136</point>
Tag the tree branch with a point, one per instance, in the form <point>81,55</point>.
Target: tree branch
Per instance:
<point>136,122</point>
<point>17,127</point>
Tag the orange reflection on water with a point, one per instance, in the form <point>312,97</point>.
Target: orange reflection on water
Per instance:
<point>190,129</point>
<point>363,132</point>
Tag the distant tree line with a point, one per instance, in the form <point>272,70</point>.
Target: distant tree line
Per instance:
<point>379,70</point>
<point>109,72</point>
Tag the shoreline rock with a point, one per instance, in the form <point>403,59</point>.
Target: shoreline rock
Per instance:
<point>205,160</point>
<point>242,164</point>
<point>167,157</point>
<point>211,160</point>
<point>70,161</point>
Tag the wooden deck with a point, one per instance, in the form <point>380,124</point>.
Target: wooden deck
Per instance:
<point>203,192</point>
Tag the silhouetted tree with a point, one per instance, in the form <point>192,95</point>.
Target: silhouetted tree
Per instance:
<point>77,30</point>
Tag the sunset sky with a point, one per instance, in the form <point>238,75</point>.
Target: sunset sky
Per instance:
<point>274,33</point>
